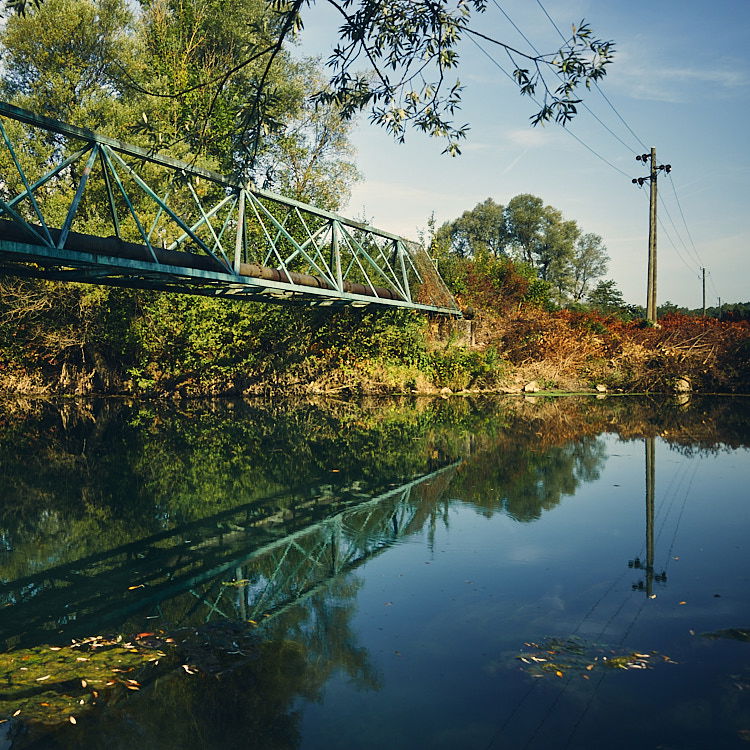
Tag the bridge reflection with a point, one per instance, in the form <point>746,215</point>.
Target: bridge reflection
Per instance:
<point>249,563</point>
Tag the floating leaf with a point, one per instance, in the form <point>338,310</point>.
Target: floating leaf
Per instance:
<point>559,673</point>
<point>72,719</point>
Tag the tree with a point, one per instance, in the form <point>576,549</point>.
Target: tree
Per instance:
<point>478,231</point>
<point>541,237</point>
<point>311,159</point>
<point>589,261</point>
<point>524,217</point>
<point>68,61</point>
<point>556,249</point>
<point>411,47</point>
<point>606,297</point>
<point>78,327</point>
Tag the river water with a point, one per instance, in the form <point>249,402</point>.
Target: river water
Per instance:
<point>450,573</point>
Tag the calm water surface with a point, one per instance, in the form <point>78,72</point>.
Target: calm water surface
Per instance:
<point>568,573</point>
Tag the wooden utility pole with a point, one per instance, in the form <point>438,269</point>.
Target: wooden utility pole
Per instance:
<point>651,283</point>
<point>704,291</point>
<point>651,287</point>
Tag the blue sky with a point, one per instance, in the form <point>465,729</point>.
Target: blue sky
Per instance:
<point>680,80</point>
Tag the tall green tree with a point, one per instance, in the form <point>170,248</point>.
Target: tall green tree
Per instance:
<point>478,231</point>
<point>605,296</point>
<point>589,262</point>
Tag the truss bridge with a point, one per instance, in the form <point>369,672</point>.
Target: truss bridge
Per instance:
<point>79,206</point>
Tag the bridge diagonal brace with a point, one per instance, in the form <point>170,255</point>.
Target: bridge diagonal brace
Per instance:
<point>77,197</point>
<point>293,242</point>
<point>355,259</point>
<point>172,215</point>
<point>47,177</point>
<point>311,240</point>
<point>208,223</point>
<point>110,195</point>
<point>23,223</point>
<point>389,280</point>
<point>251,199</point>
<point>124,193</point>
<point>28,189</point>
<point>209,214</point>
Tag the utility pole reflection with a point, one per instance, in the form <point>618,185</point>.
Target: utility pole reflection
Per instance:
<point>651,577</point>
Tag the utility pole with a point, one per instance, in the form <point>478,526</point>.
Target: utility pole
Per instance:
<point>704,291</point>
<point>719,308</point>
<point>651,283</point>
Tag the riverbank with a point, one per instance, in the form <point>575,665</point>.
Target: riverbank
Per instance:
<point>182,347</point>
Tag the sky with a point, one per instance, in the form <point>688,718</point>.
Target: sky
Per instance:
<point>680,80</point>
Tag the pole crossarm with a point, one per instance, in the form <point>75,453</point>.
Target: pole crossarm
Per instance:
<point>106,212</point>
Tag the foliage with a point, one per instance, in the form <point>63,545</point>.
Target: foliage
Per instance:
<point>536,235</point>
<point>589,262</point>
<point>411,48</point>
<point>606,297</point>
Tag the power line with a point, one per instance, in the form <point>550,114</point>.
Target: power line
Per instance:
<point>711,281</point>
<point>569,132</point>
<point>622,119</point>
<point>614,109</point>
<point>671,241</point>
<point>679,205</point>
<point>557,73</point>
<point>674,226</point>
<point>544,10</point>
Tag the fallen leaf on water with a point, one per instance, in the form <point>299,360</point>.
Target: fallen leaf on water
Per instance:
<point>559,673</point>
<point>17,712</point>
<point>585,677</point>
<point>72,719</point>
<point>46,677</point>
<point>683,602</point>
<point>55,648</point>
<point>589,667</point>
<point>144,635</point>
<point>139,586</point>
<point>81,658</point>
<point>84,683</point>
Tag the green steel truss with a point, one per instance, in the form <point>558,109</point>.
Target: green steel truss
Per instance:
<point>104,212</point>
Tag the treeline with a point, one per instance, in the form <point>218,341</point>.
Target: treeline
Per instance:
<point>552,248</point>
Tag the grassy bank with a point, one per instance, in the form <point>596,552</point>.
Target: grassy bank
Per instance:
<point>73,339</point>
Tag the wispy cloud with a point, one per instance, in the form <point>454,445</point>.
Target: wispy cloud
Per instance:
<point>678,84</point>
<point>531,137</point>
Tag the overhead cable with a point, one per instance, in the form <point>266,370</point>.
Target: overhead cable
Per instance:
<point>569,132</point>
